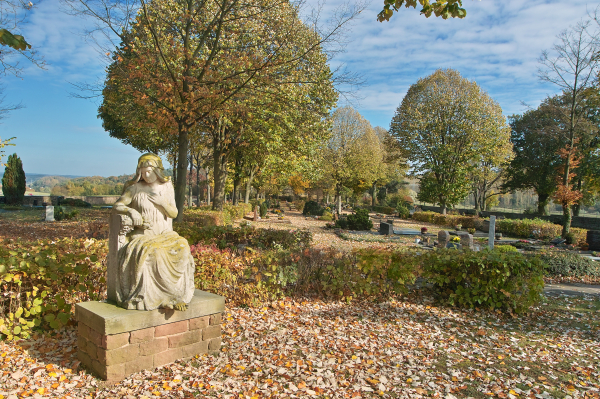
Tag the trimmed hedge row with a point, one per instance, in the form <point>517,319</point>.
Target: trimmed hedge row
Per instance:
<point>512,227</point>
<point>205,216</point>
<point>386,210</point>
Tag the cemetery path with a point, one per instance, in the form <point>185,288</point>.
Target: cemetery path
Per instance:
<point>571,289</point>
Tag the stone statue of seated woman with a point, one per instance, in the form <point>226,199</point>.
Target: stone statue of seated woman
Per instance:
<point>150,265</point>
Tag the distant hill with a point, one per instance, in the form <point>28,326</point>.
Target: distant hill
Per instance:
<point>32,177</point>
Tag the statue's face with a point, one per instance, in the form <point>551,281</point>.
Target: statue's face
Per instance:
<point>148,174</point>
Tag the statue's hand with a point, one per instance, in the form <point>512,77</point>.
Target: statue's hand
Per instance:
<point>157,200</point>
<point>136,217</point>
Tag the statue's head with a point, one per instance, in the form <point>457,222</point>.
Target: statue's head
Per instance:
<point>145,161</point>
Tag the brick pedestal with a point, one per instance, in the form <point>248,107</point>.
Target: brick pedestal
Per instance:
<point>114,342</point>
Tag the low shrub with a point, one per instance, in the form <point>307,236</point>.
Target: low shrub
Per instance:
<point>537,228</point>
<point>62,214</point>
<point>263,209</point>
<point>229,237</point>
<point>204,216</point>
<point>490,279</point>
<point>327,216</point>
<point>505,248</point>
<point>403,211</point>
<point>42,280</point>
<point>342,223</point>
<point>559,263</point>
<point>359,220</point>
<point>75,202</point>
<point>299,205</point>
<point>312,208</point>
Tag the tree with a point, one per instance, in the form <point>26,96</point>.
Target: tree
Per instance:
<point>198,62</point>
<point>441,8</point>
<point>13,181</point>
<point>350,157</point>
<point>572,66</point>
<point>446,126</point>
<point>536,137</point>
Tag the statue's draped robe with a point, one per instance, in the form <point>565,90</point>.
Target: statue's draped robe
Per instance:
<point>156,266</point>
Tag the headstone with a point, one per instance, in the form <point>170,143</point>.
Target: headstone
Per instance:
<point>443,238</point>
<point>256,217</point>
<point>390,221</point>
<point>593,239</point>
<point>466,240</point>
<point>386,228</point>
<point>492,232</point>
<point>49,214</point>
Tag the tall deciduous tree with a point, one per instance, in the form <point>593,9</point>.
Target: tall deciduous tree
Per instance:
<point>13,181</point>
<point>350,157</point>
<point>197,62</point>
<point>572,66</point>
<point>536,137</point>
<point>446,126</point>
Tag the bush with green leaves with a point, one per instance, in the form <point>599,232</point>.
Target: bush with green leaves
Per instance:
<point>312,208</point>
<point>403,211</point>
<point>42,280</point>
<point>505,248</point>
<point>561,263</point>
<point>488,279</point>
<point>359,220</point>
<point>61,213</point>
<point>263,208</point>
<point>229,237</point>
<point>327,216</point>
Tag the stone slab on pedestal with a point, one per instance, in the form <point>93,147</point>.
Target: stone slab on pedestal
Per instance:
<point>386,228</point>
<point>114,342</point>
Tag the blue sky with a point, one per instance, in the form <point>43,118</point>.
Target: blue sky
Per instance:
<point>497,45</point>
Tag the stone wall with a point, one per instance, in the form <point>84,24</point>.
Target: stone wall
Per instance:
<point>114,342</point>
<point>114,357</point>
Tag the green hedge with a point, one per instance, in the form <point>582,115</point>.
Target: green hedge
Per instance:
<point>491,279</point>
<point>205,216</point>
<point>525,228</point>
<point>567,264</point>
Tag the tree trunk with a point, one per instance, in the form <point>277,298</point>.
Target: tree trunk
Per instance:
<point>198,180</point>
<point>181,170</point>
<point>220,166</point>
<point>207,189</point>
<point>542,202</point>
<point>175,165</point>
<point>190,182</point>
<point>249,186</point>
<point>374,191</point>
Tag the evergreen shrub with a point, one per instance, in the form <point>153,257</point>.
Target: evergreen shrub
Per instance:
<point>13,181</point>
<point>312,208</point>
<point>359,220</point>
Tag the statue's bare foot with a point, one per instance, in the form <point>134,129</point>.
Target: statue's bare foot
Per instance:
<point>181,306</point>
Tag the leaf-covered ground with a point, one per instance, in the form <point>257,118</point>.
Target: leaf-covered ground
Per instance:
<point>407,349</point>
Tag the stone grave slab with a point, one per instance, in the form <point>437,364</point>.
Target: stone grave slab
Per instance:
<point>407,232</point>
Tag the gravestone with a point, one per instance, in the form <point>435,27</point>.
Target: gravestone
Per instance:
<point>593,240</point>
<point>443,238</point>
<point>492,232</point>
<point>256,217</point>
<point>49,214</point>
<point>466,240</point>
<point>386,228</point>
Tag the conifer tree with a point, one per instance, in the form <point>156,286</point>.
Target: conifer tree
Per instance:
<point>13,181</point>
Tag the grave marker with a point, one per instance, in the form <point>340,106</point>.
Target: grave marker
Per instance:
<point>492,232</point>
<point>49,214</point>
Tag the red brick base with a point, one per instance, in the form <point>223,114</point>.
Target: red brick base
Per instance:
<point>114,357</point>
